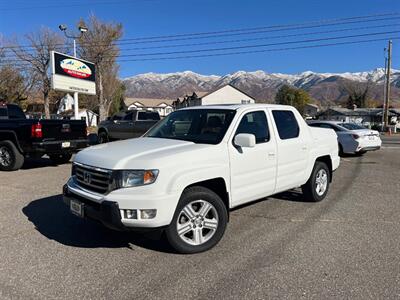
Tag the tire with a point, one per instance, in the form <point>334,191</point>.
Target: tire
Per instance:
<point>314,191</point>
<point>60,159</point>
<point>200,231</point>
<point>10,158</point>
<point>103,137</point>
<point>341,153</point>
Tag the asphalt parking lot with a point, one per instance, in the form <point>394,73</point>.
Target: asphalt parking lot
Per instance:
<point>347,246</point>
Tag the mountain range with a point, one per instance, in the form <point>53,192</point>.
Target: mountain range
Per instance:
<point>323,87</point>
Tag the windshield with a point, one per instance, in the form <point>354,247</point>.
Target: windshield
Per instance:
<point>351,126</point>
<point>207,126</point>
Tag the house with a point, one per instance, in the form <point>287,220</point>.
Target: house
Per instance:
<point>358,115</point>
<point>162,106</point>
<point>227,94</point>
<point>66,110</point>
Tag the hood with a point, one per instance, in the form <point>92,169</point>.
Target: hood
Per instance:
<point>141,152</point>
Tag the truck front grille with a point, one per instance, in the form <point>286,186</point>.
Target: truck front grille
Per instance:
<point>93,179</point>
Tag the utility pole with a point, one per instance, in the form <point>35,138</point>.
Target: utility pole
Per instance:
<point>384,93</point>
<point>387,93</point>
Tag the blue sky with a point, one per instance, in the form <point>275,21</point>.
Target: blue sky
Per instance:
<point>142,18</point>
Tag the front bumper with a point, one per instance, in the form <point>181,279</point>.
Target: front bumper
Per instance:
<point>57,146</point>
<point>108,209</point>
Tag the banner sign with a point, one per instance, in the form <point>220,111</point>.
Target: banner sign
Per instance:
<point>70,74</point>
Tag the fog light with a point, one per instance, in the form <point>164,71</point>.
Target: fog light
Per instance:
<point>130,213</point>
<point>148,213</point>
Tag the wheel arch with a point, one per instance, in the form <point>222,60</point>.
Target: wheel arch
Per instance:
<point>218,186</point>
<point>6,135</point>
<point>328,161</point>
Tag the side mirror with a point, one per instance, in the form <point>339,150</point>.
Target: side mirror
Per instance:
<point>245,140</point>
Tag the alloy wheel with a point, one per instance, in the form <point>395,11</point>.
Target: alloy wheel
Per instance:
<point>5,156</point>
<point>197,222</point>
<point>321,182</point>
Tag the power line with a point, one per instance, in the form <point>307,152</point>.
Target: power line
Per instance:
<point>260,51</point>
<point>274,28</point>
<point>255,39</point>
<point>21,64</point>
<point>253,46</point>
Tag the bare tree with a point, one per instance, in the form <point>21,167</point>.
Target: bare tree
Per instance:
<point>98,45</point>
<point>358,93</point>
<point>37,56</point>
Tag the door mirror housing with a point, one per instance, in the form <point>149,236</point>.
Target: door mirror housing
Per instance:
<point>245,140</point>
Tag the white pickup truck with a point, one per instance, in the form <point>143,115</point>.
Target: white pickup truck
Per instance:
<point>186,173</point>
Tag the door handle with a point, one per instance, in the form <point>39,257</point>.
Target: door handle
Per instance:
<point>271,154</point>
<point>304,148</point>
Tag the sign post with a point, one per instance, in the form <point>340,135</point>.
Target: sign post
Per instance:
<point>71,74</point>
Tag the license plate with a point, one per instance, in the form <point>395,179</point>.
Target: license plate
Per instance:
<point>76,208</point>
<point>371,137</point>
<point>65,144</point>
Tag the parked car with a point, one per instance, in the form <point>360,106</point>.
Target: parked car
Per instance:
<point>126,125</point>
<point>352,138</point>
<point>21,137</point>
<point>186,173</point>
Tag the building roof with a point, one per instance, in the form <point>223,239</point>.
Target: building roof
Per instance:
<point>239,106</point>
<point>342,111</point>
<point>204,94</point>
<point>147,102</point>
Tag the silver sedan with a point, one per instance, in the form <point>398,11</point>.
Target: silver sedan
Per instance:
<point>352,138</point>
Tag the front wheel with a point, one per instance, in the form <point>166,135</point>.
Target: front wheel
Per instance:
<point>199,221</point>
<point>317,186</point>
<point>103,137</point>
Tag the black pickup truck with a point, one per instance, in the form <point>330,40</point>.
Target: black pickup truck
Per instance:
<point>21,137</point>
<point>126,125</point>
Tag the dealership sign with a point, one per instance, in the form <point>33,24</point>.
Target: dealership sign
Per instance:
<point>70,74</point>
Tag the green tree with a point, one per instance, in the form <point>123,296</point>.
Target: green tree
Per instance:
<point>13,86</point>
<point>292,96</point>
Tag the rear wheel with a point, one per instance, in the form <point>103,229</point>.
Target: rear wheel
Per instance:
<point>103,137</point>
<point>317,186</point>
<point>340,149</point>
<point>199,221</point>
<point>10,158</point>
<point>60,158</point>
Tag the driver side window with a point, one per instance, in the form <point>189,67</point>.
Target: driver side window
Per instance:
<point>255,123</point>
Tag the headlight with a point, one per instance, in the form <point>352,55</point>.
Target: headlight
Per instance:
<point>131,178</point>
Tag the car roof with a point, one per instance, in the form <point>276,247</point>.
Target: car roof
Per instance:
<point>240,106</point>
<point>325,122</point>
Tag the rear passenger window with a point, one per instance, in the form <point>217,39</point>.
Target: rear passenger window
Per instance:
<point>3,112</point>
<point>14,112</point>
<point>255,123</point>
<point>286,123</point>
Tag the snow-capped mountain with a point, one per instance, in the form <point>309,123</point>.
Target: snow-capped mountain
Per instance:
<point>259,84</point>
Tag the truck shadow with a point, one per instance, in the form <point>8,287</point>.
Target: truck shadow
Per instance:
<point>34,163</point>
<point>52,218</point>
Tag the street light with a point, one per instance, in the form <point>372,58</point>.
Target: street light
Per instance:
<point>82,30</point>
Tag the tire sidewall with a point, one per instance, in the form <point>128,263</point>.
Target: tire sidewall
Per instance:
<point>103,138</point>
<point>189,196</point>
<point>318,166</point>
<point>15,160</point>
